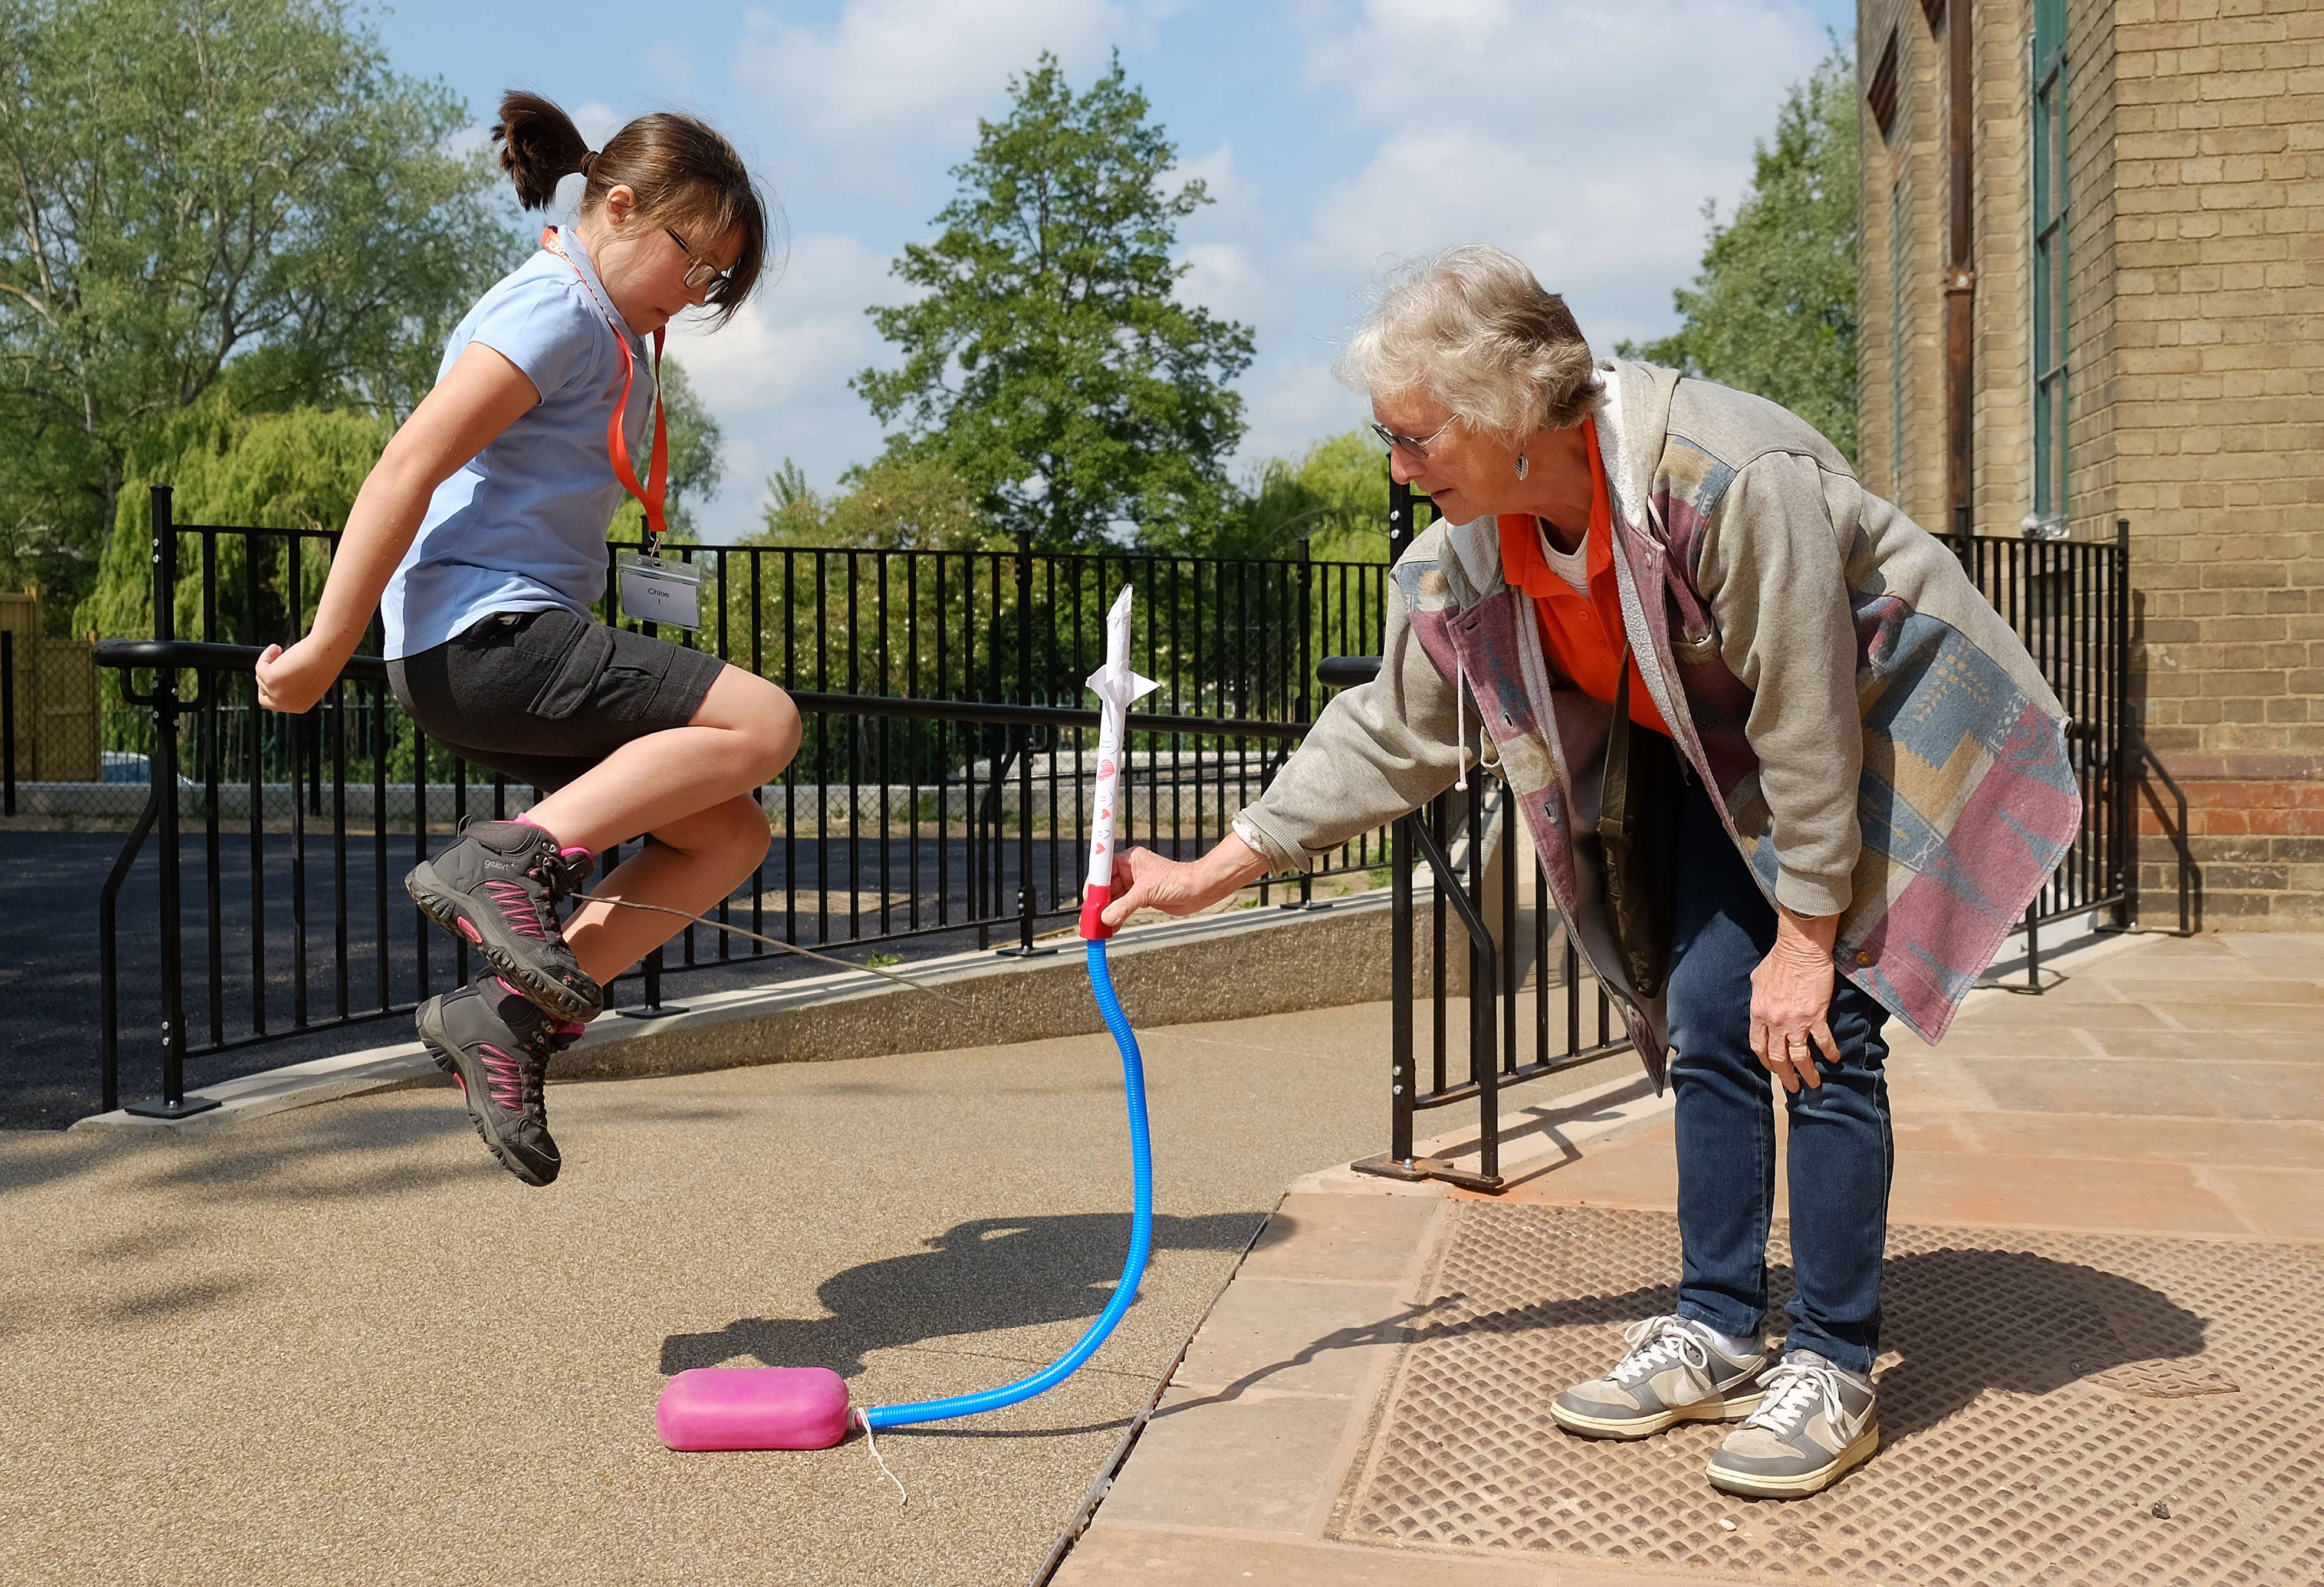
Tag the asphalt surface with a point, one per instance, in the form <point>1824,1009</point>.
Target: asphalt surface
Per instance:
<point>340,1343</point>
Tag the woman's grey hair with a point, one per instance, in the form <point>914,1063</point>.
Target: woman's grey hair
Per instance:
<point>1472,328</point>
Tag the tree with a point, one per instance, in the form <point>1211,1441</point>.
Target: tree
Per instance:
<point>696,461</point>
<point>1334,497</point>
<point>1773,310</point>
<point>1046,358</point>
<point>193,186</point>
<point>896,504</point>
<point>299,470</point>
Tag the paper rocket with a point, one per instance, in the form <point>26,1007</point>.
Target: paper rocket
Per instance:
<point>1117,686</point>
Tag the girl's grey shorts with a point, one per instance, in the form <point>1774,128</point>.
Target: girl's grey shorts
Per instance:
<point>543,696</point>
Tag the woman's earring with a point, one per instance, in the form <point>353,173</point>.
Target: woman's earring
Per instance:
<point>1521,465</point>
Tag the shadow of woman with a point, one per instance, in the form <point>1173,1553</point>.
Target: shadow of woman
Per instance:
<point>1959,1322</point>
<point>978,1277</point>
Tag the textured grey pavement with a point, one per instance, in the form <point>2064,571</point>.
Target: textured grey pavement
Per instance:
<point>339,1344</point>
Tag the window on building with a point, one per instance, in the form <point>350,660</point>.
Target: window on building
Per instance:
<point>2048,101</point>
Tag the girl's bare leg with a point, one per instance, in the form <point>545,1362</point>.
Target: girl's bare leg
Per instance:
<point>689,787</point>
<point>693,863</point>
<point>742,735</point>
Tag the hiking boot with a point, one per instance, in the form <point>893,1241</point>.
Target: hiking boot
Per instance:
<point>1673,1372</point>
<point>1814,1422</point>
<point>497,1045</point>
<point>498,886</point>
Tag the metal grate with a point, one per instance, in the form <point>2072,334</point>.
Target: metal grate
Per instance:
<point>2057,1408</point>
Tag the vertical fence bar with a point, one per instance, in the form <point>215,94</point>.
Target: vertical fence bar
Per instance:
<point>1024,744</point>
<point>206,741</point>
<point>164,770</point>
<point>1403,1081</point>
<point>251,745</point>
<point>8,716</point>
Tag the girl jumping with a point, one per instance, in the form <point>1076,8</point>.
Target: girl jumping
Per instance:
<point>480,536</point>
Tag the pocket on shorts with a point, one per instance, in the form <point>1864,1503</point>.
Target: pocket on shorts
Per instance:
<point>575,671</point>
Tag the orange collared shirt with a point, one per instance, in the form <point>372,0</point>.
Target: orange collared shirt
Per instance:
<point>1583,635</point>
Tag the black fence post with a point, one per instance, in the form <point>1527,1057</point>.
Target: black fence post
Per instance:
<point>162,767</point>
<point>8,715</point>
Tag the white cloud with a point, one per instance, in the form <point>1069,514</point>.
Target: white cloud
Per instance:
<point>597,122</point>
<point>1580,135</point>
<point>1232,195</point>
<point>892,69</point>
<point>804,334</point>
<point>1291,403</point>
<point>1223,277</point>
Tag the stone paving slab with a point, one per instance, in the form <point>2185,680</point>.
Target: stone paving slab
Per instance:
<point>2180,1175</point>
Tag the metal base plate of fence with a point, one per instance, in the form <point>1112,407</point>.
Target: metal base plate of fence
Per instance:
<point>1413,1170</point>
<point>161,1108</point>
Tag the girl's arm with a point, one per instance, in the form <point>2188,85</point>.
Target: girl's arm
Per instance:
<point>481,395</point>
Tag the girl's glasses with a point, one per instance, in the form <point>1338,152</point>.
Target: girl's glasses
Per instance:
<point>701,272</point>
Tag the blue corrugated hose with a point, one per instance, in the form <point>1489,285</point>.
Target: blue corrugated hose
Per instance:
<point>1133,1266</point>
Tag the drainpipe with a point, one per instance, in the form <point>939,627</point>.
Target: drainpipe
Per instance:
<point>1960,275</point>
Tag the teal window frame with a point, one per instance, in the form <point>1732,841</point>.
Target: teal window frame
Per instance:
<point>2046,99</point>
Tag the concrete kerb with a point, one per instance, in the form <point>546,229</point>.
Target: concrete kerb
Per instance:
<point>1233,965</point>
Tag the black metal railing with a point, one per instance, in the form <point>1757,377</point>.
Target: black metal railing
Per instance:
<point>938,801</point>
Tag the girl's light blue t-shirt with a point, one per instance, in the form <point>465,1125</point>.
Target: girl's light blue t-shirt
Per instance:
<point>522,526</point>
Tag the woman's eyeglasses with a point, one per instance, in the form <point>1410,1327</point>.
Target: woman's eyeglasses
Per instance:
<point>1418,448</point>
<point>701,272</point>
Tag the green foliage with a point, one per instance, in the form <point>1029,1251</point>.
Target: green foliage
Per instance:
<point>299,470</point>
<point>1335,497</point>
<point>695,463</point>
<point>1773,310</point>
<point>196,187</point>
<point>897,503</point>
<point>1045,359</point>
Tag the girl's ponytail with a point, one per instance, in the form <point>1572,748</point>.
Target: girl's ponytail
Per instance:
<point>539,147</point>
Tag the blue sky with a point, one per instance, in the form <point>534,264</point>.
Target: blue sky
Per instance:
<point>1337,136</point>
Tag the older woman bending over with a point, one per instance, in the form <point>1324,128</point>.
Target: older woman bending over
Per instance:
<point>1838,780</point>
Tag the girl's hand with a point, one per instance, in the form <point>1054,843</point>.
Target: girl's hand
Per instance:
<point>1143,879</point>
<point>291,681</point>
<point>1790,993</point>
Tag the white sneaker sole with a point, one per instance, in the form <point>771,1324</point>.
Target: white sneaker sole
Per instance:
<point>1758,1485</point>
<point>1733,1408</point>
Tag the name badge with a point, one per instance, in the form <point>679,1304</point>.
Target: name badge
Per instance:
<point>658,592</point>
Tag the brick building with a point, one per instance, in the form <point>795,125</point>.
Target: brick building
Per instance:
<point>2091,289</point>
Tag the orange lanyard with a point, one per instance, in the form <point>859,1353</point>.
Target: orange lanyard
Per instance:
<point>655,491</point>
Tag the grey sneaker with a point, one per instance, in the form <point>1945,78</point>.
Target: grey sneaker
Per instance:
<point>1673,1372</point>
<point>1814,1423</point>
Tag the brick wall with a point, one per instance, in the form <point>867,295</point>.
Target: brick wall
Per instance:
<point>2196,376</point>
<point>2220,430</point>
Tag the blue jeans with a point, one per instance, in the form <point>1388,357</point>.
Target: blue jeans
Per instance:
<point>1842,1155</point>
